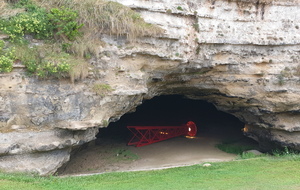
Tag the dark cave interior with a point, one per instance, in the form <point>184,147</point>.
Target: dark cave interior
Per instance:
<point>174,110</point>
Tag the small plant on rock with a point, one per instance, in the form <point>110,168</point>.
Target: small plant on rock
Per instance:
<point>7,57</point>
<point>102,89</point>
<point>179,8</point>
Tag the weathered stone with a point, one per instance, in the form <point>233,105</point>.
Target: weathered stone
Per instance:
<point>242,56</point>
<point>45,163</point>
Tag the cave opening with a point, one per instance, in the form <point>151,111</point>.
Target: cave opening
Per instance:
<point>175,110</point>
<point>110,152</point>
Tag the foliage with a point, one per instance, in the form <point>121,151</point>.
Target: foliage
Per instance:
<point>39,22</point>
<point>281,80</point>
<point>102,89</point>
<point>286,73</point>
<point>248,155</point>
<point>237,146</point>
<point>196,27</point>
<point>286,153</point>
<point>179,8</point>
<point>7,57</point>
<point>105,123</point>
<point>41,60</point>
<point>45,60</point>
<point>113,18</point>
<point>236,175</point>
<point>64,21</point>
<point>34,21</point>
<point>125,154</point>
<point>73,24</point>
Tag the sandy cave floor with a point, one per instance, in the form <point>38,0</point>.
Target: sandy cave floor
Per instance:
<point>108,155</point>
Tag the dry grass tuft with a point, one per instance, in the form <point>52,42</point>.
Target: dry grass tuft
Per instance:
<point>85,46</point>
<point>80,70</point>
<point>6,11</point>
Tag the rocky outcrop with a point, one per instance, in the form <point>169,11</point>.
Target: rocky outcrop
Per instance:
<point>242,56</point>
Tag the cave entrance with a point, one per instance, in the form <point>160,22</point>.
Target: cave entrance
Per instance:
<point>175,110</point>
<point>110,152</point>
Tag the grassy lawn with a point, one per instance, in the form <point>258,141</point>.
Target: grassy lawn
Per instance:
<point>258,173</point>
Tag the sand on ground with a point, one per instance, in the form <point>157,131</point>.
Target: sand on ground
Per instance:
<point>108,155</point>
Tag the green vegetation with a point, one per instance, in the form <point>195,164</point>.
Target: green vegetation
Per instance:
<point>106,16</point>
<point>7,57</point>
<point>105,123</point>
<point>102,89</point>
<point>286,153</point>
<point>64,22</point>
<point>196,26</point>
<point>297,71</point>
<point>169,11</point>
<point>67,32</point>
<point>263,173</point>
<point>45,59</point>
<point>40,23</point>
<point>237,146</point>
<point>286,73</point>
<point>179,8</point>
<point>125,154</point>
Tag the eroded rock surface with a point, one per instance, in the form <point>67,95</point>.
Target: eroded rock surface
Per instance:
<point>242,56</point>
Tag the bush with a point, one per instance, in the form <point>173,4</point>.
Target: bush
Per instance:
<point>286,153</point>
<point>64,22</point>
<point>45,60</point>
<point>38,22</point>
<point>41,24</point>
<point>7,57</point>
<point>34,22</point>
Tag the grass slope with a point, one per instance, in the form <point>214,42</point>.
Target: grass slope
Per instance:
<point>258,173</point>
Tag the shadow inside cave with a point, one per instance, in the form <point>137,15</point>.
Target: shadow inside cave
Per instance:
<point>175,111</point>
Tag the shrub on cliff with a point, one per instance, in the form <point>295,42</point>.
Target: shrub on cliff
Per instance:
<point>72,25</point>
<point>7,57</point>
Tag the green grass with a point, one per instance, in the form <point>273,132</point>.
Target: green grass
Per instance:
<point>259,173</point>
<point>124,154</point>
<point>237,146</point>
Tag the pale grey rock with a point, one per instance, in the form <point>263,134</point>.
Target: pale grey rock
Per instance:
<point>44,163</point>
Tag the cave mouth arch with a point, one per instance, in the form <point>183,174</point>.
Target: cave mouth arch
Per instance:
<point>175,110</point>
<point>109,152</point>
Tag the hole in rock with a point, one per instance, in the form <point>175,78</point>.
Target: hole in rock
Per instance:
<point>110,151</point>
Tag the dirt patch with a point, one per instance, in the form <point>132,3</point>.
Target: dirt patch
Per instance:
<point>108,155</point>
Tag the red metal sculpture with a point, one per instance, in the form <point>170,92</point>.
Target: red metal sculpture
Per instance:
<point>144,135</point>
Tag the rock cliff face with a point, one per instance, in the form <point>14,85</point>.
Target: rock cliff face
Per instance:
<point>243,56</point>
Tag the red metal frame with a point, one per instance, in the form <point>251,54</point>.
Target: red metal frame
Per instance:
<point>145,135</point>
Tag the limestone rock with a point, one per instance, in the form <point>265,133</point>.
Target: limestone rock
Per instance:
<point>45,163</point>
